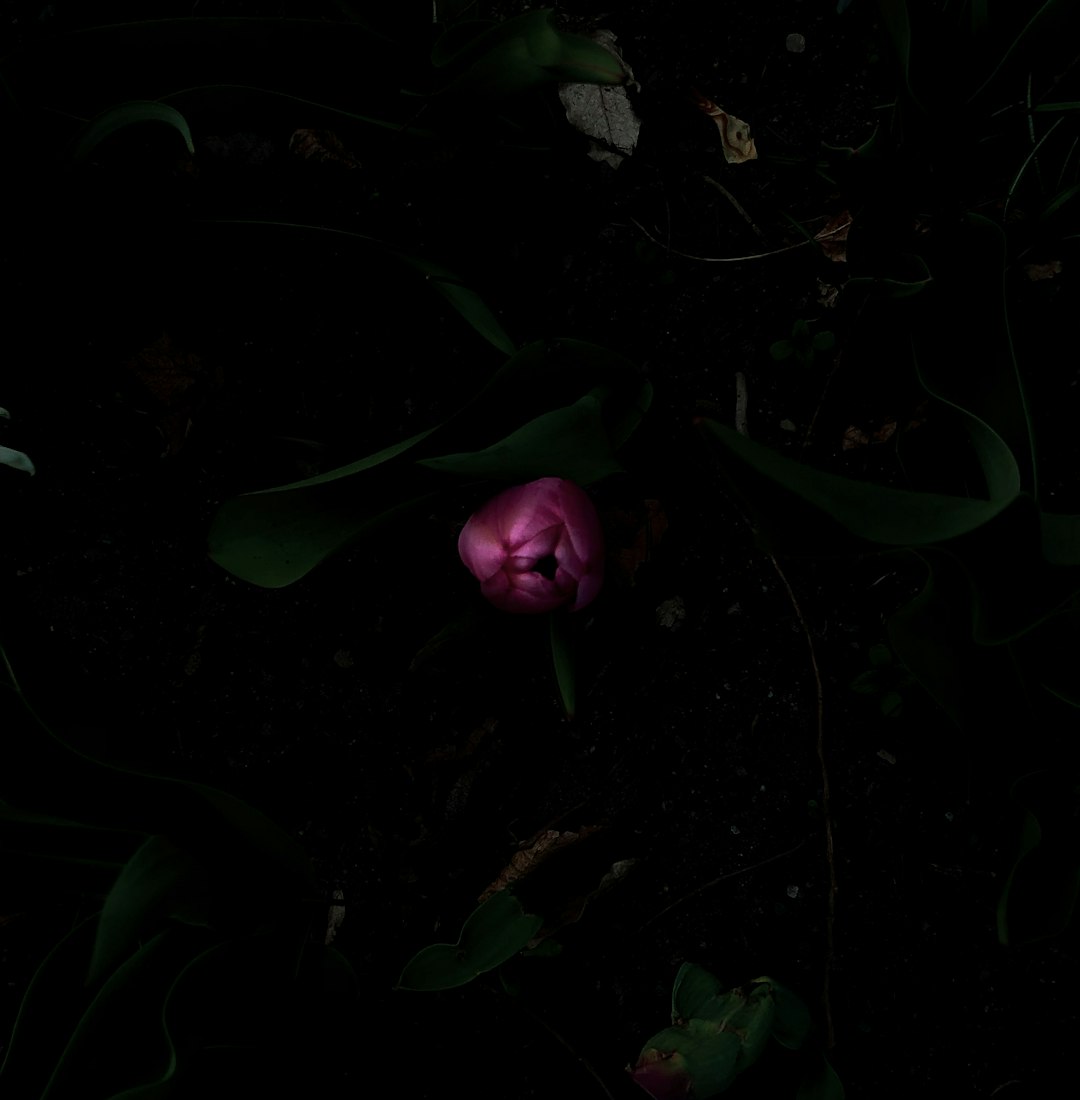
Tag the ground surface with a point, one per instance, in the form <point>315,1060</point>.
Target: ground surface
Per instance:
<point>411,783</point>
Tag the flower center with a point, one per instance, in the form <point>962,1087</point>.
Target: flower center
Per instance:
<point>546,567</point>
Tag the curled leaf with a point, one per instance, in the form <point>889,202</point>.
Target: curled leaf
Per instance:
<point>735,136</point>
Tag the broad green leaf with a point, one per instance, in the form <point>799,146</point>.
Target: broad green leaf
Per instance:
<point>694,991</point>
<point>118,1041</point>
<point>276,537</point>
<point>525,52</point>
<point>791,1024</point>
<point>753,1023</point>
<point>894,15</point>
<point>496,931</point>
<point>128,114</point>
<point>878,513</point>
<point>570,442</point>
<point>466,302</point>
<point>160,881</point>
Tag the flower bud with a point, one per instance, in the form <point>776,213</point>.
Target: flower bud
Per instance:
<point>536,547</point>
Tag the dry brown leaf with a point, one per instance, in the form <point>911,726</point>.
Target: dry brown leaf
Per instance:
<point>885,432</point>
<point>628,559</point>
<point>827,294</point>
<point>735,136</point>
<point>545,844</point>
<point>322,147</point>
<point>173,379</point>
<point>334,919</point>
<point>833,237</point>
<point>854,437</point>
<point>1037,272</point>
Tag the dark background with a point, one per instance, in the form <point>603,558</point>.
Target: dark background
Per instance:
<point>157,365</point>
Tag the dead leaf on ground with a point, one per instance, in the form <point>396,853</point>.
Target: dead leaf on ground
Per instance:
<point>603,112</point>
<point>833,237</point>
<point>541,847</point>
<point>856,437</point>
<point>334,918</point>
<point>827,294</point>
<point>1037,272</point>
<point>173,379</point>
<point>738,144</point>
<point>322,147</point>
<point>650,530</point>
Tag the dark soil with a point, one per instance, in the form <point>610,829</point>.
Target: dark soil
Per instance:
<point>412,782</point>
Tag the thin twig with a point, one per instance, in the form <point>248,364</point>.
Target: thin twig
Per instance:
<point>561,1040</point>
<point>741,401</point>
<point>738,205</point>
<point>740,259</point>
<point>830,856</point>
<point>716,881</point>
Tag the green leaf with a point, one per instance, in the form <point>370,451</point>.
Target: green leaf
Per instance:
<point>820,1082</point>
<point>792,1023</point>
<point>782,349</point>
<point>695,992</point>
<point>570,442</point>
<point>1060,538</point>
<point>118,1042</point>
<point>525,52</point>
<point>878,513</point>
<point>466,302</point>
<point>496,931</point>
<point>1043,20</point>
<point>709,1057</point>
<point>160,881</point>
<point>562,659</point>
<point>753,1022</point>
<point>49,1011</point>
<point>879,655</point>
<point>891,704</point>
<point>1041,892</point>
<point>128,114</point>
<point>276,536</point>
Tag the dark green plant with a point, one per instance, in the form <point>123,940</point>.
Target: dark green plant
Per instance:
<point>495,932</point>
<point>801,344</point>
<point>717,1034</point>
<point>203,960</point>
<point>883,679</point>
<point>973,172</point>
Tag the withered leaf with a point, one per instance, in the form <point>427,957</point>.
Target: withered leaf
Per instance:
<point>735,137</point>
<point>833,237</point>
<point>322,147</point>
<point>527,859</point>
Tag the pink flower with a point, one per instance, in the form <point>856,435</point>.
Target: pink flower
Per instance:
<point>536,547</point>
